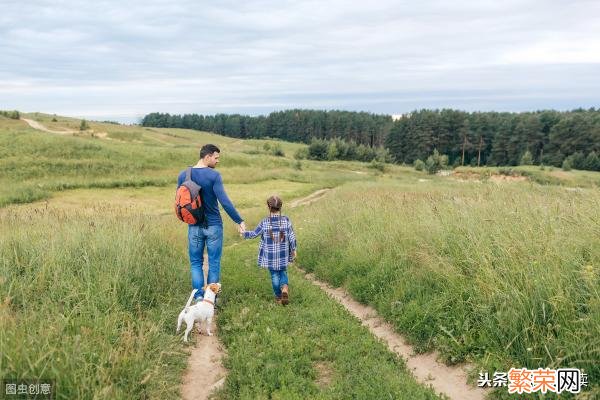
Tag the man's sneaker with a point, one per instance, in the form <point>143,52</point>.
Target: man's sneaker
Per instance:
<point>285,296</point>
<point>277,300</point>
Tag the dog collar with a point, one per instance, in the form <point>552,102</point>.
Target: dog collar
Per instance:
<point>208,301</point>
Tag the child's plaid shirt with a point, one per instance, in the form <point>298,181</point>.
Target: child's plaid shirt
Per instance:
<point>273,253</point>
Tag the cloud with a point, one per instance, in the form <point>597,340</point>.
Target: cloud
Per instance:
<point>389,56</point>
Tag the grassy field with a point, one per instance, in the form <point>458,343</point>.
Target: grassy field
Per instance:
<point>540,174</point>
<point>498,275</point>
<point>95,270</point>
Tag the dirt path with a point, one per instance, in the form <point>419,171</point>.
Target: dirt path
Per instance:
<point>450,381</point>
<point>309,199</point>
<point>205,372</point>
<point>39,126</point>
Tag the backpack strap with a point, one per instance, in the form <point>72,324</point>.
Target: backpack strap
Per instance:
<point>188,174</point>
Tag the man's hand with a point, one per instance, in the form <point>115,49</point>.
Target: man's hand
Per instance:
<point>242,227</point>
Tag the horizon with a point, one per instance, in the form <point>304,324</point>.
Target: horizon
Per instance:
<point>136,120</point>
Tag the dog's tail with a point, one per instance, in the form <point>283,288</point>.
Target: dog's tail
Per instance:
<point>190,299</point>
<point>187,305</point>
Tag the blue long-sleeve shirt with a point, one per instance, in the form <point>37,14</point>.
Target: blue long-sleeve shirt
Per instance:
<point>213,193</point>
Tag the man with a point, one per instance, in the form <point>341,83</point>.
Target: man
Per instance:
<point>211,236</point>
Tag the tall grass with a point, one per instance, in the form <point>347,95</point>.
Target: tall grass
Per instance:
<point>504,276</point>
<point>539,174</point>
<point>88,299</point>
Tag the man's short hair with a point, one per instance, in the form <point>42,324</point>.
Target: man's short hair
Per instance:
<point>208,149</point>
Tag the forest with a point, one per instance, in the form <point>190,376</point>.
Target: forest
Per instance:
<point>559,138</point>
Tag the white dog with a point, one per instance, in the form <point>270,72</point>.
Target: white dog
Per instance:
<point>201,311</point>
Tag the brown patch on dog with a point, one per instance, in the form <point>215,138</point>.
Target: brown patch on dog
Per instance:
<point>324,374</point>
<point>215,288</point>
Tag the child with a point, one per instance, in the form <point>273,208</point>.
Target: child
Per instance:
<point>277,247</point>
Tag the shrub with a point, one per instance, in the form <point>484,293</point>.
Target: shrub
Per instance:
<point>378,165</point>
<point>436,162</point>
<point>592,162</point>
<point>526,158</point>
<point>383,155</point>
<point>301,153</point>
<point>577,160</point>
<point>419,165</point>
<point>317,150</point>
<point>277,150</point>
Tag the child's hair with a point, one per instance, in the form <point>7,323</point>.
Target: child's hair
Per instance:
<point>275,203</point>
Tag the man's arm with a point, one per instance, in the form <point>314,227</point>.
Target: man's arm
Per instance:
<point>226,203</point>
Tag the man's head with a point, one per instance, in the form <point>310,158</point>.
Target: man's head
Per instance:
<point>209,154</point>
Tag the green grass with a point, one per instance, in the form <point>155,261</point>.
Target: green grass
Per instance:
<point>89,299</point>
<point>501,276</point>
<point>35,165</point>
<point>274,352</point>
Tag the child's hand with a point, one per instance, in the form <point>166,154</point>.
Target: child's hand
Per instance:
<point>294,255</point>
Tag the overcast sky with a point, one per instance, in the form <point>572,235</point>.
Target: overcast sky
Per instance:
<point>122,59</point>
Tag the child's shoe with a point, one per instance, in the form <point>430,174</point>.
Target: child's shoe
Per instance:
<point>285,296</point>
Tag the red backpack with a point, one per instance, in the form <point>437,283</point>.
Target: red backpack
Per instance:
<point>188,201</point>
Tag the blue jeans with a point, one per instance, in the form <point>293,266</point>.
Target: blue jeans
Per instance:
<point>212,238</point>
<point>278,279</point>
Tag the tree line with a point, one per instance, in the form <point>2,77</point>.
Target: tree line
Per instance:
<point>290,125</point>
<point>467,138</point>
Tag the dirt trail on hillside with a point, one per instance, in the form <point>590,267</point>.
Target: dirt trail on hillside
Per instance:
<point>40,127</point>
<point>37,125</point>
<point>309,199</point>
<point>449,380</point>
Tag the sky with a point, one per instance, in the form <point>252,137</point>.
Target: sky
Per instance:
<point>119,60</point>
